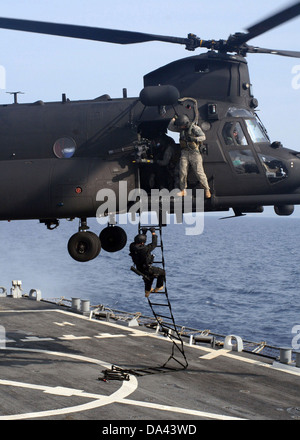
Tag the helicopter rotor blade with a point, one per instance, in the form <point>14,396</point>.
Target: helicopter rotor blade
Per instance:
<point>85,32</point>
<point>270,23</point>
<point>286,53</point>
<point>235,43</point>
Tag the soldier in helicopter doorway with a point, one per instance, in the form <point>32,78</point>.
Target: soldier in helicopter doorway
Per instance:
<point>190,138</point>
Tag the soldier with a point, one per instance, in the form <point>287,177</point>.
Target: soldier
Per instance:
<point>166,159</point>
<point>142,258</point>
<point>191,137</point>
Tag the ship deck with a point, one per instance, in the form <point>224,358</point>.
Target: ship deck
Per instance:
<point>52,359</point>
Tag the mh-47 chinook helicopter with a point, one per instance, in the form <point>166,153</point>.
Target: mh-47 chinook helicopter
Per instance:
<point>56,156</point>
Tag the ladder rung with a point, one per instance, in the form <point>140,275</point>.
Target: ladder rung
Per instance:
<point>165,302</point>
<point>167,327</point>
<point>159,293</point>
<point>159,304</point>
<point>163,316</point>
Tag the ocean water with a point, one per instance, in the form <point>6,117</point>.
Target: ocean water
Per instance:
<point>240,276</point>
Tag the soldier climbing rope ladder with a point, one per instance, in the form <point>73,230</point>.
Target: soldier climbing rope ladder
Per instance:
<point>143,259</point>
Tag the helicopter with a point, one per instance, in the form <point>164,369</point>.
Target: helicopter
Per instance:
<point>55,157</point>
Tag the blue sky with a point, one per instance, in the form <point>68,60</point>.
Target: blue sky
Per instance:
<point>44,67</point>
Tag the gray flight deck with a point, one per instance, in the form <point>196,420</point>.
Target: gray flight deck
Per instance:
<point>51,363</point>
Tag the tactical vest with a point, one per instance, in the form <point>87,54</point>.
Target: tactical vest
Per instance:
<point>141,256</point>
<point>185,139</point>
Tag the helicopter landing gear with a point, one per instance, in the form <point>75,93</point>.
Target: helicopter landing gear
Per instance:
<point>84,245</point>
<point>113,238</point>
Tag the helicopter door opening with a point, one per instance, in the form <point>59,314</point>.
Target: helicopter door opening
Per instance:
<point>159,162</point>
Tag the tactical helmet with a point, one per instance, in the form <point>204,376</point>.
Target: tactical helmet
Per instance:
<point>182,121</point>
<point>140,238</point>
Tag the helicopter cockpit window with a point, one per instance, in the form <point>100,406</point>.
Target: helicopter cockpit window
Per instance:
<point>233,134</point>
<point>274,168</point>
<point>243,161</point>
<point>64,147</point>
<point>255,131</point>
<point>239,113</point>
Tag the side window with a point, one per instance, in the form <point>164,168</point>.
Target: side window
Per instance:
<point>243,161</point>
<point>275,170</point>
<point>233,134</point>
<point>64,147</point>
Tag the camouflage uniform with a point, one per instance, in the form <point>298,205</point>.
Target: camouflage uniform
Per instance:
<point>190,140</point>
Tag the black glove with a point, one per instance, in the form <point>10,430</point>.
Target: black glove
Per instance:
<point>144,231</point>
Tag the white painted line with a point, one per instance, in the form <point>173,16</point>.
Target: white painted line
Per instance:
<point>6,340</point>
<point>141,333</point>
<point>73,338</point>
<point>108,335</point>
<point>179,410</point>
<point>100,400</point>
<point>63,324</point>
<point>35,339</point>
<point>214,354</point>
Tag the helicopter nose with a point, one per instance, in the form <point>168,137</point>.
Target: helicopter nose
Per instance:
<point>283,173</point>
<point>293,177</point>
<point>295,166</point>
<point>290,175</point>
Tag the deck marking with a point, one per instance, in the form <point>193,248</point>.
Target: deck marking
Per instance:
<point>222,352</point>
<point>179,410</point>
<point>63,324</point>
<point>35,339</point>
<point>100,400</point>
<point>214,354</point>
<point>136,332</point>
<point>125,389</point>
<point>73,338</point>
<point>6,341</point>
<point>108,335</point>
<point>120,396</point>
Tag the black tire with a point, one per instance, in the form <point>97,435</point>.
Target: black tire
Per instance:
<point>113,238</point>
<point>84,246</point>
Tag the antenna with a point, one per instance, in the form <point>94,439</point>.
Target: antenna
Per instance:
<point>15,95</point>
